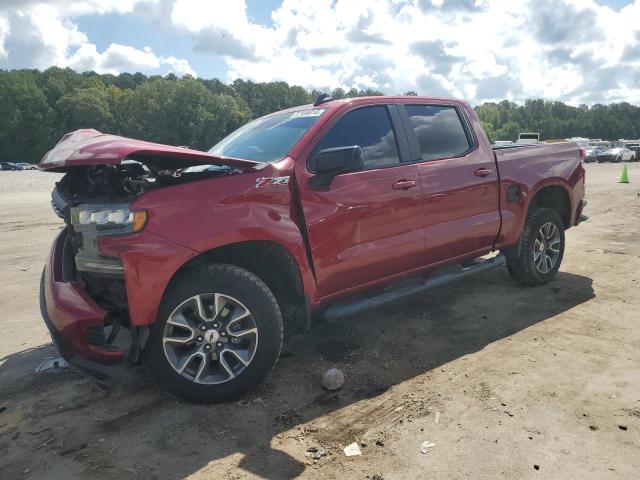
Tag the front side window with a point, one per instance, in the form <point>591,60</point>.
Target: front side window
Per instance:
<point>269,138</point>
<point>439,130</point>
<point>370,129</point>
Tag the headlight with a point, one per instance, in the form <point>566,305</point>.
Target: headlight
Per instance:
<point>109,218</point>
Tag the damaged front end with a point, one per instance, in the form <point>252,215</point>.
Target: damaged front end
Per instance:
<point>104,246</point>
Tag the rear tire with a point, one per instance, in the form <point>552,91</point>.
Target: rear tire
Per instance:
<point>541,249</point>
<point>222,326</point>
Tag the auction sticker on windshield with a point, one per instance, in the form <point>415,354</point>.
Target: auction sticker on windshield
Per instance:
<point>308,113</point>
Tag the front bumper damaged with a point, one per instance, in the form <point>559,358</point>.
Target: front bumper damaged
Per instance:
<point>76,322</point>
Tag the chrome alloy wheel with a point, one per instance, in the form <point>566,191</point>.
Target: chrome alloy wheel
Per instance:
<point>210,338</point>
<point>546,248</point>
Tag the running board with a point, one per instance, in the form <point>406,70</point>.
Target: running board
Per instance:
<point>360,304</point>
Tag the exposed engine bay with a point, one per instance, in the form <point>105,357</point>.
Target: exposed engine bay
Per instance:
<point>117,183</point>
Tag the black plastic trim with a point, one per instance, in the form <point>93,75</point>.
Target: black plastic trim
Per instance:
<point>400,131</point>
<point>362,303</point>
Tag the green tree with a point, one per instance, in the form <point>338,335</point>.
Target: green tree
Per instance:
<point>85,108</point>
<point>181,112</point>
<point>510,131</point>
<point>36,108</point>
<point>27,123</point>
<point>488,129</point>
<point>264,98</point>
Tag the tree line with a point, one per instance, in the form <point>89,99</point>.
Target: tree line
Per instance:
<point>556,120</point>
<point>38,107</point>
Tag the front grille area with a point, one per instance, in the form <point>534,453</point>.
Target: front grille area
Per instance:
<point>95,336</point>
<point>108,292</point>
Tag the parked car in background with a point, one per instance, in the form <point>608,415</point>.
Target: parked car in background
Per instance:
<point>9,166</point>
<point>635,148</point>
<point>591,153</point>
<point>617,154</point>
<point>26,166</point>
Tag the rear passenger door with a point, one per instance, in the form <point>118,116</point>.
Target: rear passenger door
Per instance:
<point>459,181</point>
<point>366,225</point>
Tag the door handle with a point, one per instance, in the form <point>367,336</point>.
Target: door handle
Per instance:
<point>483,172</point>
<point>404,184</point>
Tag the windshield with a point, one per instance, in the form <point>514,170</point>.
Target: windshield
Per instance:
<point>269,138</point>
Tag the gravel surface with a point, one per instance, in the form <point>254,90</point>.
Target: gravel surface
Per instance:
<point>506,381</point>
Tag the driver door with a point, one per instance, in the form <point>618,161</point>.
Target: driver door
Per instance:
<point>366,225</point>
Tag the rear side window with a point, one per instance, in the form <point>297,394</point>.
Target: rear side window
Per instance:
<point>439,130</point>
<point>369,128</point>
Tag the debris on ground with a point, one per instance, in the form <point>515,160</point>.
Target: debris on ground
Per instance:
<point>317,453</point>
<point>52,364</point>
<point>593,428</point>
<point>426,445</point>
<point>537,467</point>
<point>436,420</point>
<point>332,379</point>
<point>352,450</point>
<point>622,427</point>
<point>44,444</point>
<point>633,412</point>
<point>2,408</point>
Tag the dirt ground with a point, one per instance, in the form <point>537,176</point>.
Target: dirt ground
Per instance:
<point>508,382</point>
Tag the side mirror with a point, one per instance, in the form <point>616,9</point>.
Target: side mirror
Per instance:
<point>330,162</point>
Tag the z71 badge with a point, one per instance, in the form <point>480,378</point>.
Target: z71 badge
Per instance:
<point>271,181</point>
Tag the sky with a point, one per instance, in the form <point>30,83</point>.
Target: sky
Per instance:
<point>576,51</point>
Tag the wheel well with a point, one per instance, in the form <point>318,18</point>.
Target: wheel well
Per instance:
<point>556,198</point>
<point>270,262</point>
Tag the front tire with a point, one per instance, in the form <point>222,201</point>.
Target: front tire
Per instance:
<point>542,248</point>
<point>217,336</point>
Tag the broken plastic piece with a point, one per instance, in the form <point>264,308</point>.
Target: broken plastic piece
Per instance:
<point>53,364</point>
<point>426,445</point>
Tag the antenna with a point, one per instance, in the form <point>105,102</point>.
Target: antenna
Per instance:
<point>322,98</point>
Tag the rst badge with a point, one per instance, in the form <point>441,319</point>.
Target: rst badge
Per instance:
<point>271,181</point>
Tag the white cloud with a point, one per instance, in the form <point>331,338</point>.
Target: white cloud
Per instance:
<point>178,66</point>
<point>573,50</point>
<point>116,58</point>
<point>477,48</point>
<point>34,34</point>
<point>124,58</point>
<point>4,31</point>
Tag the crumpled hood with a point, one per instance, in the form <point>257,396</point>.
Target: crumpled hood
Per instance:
<point>91,147</point>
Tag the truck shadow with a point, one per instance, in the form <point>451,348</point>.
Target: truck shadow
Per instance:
<point>138,430</point>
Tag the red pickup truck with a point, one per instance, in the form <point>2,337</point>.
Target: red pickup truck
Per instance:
<point>331,208</point>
